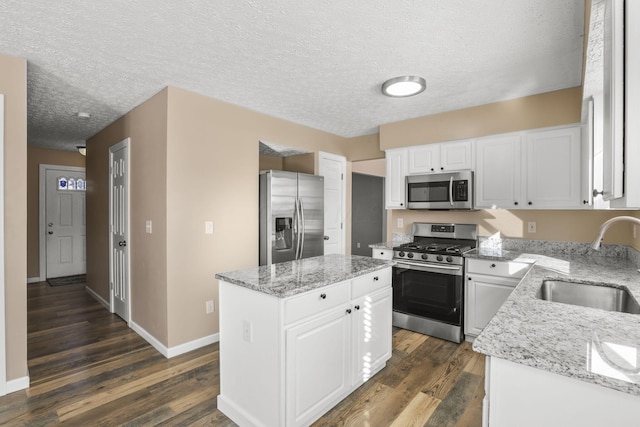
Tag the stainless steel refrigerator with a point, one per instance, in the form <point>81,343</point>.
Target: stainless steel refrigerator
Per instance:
<point>291,216</point>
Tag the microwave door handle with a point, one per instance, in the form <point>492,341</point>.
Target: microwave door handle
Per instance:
<point>451,191</point>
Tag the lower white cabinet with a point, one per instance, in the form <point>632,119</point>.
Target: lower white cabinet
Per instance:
<point>279,367</point>
<point>488,285</point>
<point>379,253</point>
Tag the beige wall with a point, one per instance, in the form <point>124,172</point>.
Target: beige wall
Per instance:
<point>270,162</point>
<point>375,167</point>
<point>537,111</point>
<point>366,147</point>
<point>13,84</point>
<point>568,226</point>
<point>304,163</point>
<point>36,157</point>
<point>146,125</point>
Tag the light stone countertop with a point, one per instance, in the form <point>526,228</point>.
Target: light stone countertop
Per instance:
<point>592,345</point>
<point>294,277</point>
<point>383,245</point>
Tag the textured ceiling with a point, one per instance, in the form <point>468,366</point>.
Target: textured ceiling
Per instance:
<point>319,64</point>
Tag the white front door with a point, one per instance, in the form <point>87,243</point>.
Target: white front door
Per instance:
<point>65,221</point>
<point>334,169</point>
<point>119,228</point>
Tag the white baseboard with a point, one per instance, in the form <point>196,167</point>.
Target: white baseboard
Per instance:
<point>97,297</point>
<point>17,384</point>
<point>177,350</point>
<point>35,279</point>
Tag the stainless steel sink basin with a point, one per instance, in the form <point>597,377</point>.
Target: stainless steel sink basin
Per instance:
<point>587,294</point>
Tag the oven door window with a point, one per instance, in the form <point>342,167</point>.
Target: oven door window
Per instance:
<point>431,295</point>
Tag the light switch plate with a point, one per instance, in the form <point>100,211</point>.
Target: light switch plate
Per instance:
<point>208,227</point>
<point>400,222</point>
<point>148,227</point>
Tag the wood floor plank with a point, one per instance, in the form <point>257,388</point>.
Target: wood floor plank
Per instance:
<point>418,412</point>
<point>87,368</point>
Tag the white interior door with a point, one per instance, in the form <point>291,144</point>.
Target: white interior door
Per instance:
<point>334,170</point>
<point>65,222</point>
<point>119,229</point>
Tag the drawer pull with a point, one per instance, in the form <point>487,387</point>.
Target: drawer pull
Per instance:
<point>376,278</point>
<point>357,307</point>
<point>493,266</point>
<point>348,311</point>
<point>323,296</point>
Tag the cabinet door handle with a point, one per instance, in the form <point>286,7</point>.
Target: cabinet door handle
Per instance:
<point>348,311</point>
<point>357,307</point>
<point>323,296</point>
<point>493,266</point>
<point>530,203</point>
<point>515,203</point>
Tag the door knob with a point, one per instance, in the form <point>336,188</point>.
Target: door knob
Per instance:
<point>123,243</point>
<point>50,232</point>
<point>326,237</point>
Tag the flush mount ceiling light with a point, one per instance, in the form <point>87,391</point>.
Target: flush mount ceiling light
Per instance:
<point>82,149</point>
<point>83,116</point>
<point>403,86</point>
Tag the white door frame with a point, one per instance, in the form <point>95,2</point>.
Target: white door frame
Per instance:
<point>343,214</point>
<point>42,233</point>
<point>3,343</point>
<point>124,143</point>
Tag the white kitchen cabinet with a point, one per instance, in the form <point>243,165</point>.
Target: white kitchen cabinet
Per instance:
<point>440,157</point>
<point>396,165</point>
<point>553,168</point>
<point>519,395</point>
<point>370,334</point>
<point>317,365</point>
<point>537,169</point>
<point>287,361</point>
<point>498,172</point>
<point>382,253</point>
<point>488,285</point>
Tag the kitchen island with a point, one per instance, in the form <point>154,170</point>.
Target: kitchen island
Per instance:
<point>299,336</point>
<point>557,364</point>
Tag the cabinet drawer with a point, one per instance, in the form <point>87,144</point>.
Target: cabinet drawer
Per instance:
<point>371,282</point>
<point>382,254</point>
<point>316,301</point>
<point>512,269</point>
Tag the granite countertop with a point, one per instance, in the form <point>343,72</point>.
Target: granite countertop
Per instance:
<point>494,254</point>
<point>383,245</point>
<point>294,277</point>
<point>588,344</point>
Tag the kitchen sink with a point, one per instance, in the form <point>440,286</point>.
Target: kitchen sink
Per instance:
<point>589,294</point>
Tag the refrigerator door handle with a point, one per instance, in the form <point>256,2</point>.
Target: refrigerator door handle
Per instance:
<point>296,227</point>
<point>302,228</point>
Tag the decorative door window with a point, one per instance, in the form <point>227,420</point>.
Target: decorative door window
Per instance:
<point>78,184</point>
<point>71,184</point>
<point>62,183</point>
<point>81,184</point>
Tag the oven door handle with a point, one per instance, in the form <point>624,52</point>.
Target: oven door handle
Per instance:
<point>427,267</point>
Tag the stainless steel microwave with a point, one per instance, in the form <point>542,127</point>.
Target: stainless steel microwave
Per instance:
<point>441,191</point>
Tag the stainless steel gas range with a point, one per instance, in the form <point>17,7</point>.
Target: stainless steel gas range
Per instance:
<point>428,279</point>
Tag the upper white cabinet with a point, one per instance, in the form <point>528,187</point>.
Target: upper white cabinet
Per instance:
<point>553,168</point>
<point>612,86</point>
<point>530,170</point>
<point>440,157</point>
<point>498,172</point>
<point>396,161</point>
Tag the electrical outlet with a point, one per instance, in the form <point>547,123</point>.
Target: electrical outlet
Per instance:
<point>400,222</point>
<point>148,226</point>
<point>247,333</point>
<point>531,227</point>
<point>210,307</point>
<point>208,227</point>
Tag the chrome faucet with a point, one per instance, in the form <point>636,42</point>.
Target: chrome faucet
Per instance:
<point>605,225</point>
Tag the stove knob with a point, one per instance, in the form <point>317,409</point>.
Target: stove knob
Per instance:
<point>425,256</point>
<point>439,257</point>
<point>400,254</point>
<point>449,259</point>
<point>410,255</point>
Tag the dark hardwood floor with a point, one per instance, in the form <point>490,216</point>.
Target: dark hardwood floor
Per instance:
<point>87,368</point>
